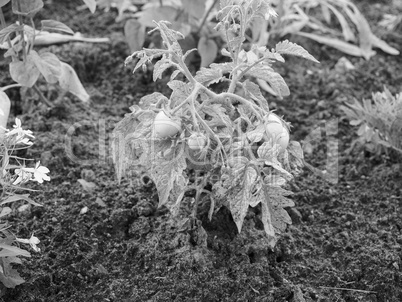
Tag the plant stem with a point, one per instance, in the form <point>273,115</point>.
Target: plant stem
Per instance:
<point>42,97</point>
<point>3,25</point>
<point>34,35</point>
<point>2,20</point>
<point>205,17</point>
<point>10,86</point>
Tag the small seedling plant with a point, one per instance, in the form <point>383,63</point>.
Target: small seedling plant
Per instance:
<point>202,147</point>
<point>379,120</point>
<point>27,65</point>
<point>14,175</point>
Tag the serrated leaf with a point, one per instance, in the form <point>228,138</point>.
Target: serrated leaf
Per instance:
<point>274,79</point>
<point>208,76</point>
<point>91,5</point>
<point>207,49</point>
<point>25,72</point>
<point>253,91</point>
<point>239,202</point>
<point>48,64</point>
<point>214,73</point>
<point>69,81</point>
<point>167,174</point>
<point>26,7</point>
<point>160,67</point>
<point>134,32</point>
<point>131,137</point>
<point>180,92</point>
<point>50,25</point>
<point>289,48</point>
<point>256,135</point>
<point>151,100</point>
<point>9,277</point>
<point>9,250</point>
<point>274,217</point>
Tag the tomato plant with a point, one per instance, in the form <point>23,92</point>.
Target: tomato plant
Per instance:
<point>240,148</point>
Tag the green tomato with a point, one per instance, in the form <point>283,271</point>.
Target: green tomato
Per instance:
<point>196,141</point>
<point>277,131</point>
<point>166,127</point>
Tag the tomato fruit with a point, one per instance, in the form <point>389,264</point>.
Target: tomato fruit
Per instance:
<point>196,141</point>
<point>165,126</point>
<point>277,131</point>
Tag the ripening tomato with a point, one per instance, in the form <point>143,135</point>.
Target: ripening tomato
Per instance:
<point>277,131</point>
<point>166,127</point>
<point>196,141</point>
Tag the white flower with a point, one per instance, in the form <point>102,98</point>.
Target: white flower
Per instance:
<point>37,174</point>
<point>22,136</point>
<point>40,173</point>
<point>33,241</point>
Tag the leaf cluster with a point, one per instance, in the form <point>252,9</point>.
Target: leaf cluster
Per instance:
<point>379,120</point>
<point>241,165</point>
<point>336,23</point>
<point>27,65</point>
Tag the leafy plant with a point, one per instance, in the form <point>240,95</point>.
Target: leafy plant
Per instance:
<point>190,17</point>
<point>315,20</point>
<point>27,65</point>
<point>13,175</point>
<point>219,148</point>
<point>379,121</point>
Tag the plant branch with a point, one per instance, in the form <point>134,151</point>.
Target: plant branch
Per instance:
<point>205,17</point>
<point>42,97</point>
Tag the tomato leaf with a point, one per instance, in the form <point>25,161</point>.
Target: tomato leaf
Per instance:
<point>160,67</point>
<point>273,78</point>
<point>252,91</point>
<point>9,276</point>
<point>289,48</point>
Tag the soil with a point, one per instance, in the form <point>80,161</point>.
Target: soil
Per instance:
<point>345,241</point>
